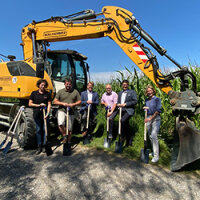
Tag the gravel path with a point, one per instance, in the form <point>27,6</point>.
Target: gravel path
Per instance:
<point>88,174</point>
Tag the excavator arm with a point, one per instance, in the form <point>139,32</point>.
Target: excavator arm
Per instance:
<point>122,27</point>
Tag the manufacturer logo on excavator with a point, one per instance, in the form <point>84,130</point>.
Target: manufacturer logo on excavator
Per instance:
<point>140,53</point>
<point>60,33</point>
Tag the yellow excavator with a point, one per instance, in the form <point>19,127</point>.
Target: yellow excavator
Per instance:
<point>18,78</point>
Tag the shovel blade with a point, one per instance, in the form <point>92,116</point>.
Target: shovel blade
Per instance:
<point>86,140</point>
<point>187,147</point>
<point>106,143</point>
<point>144,155</point>
<point>118,147</point>
<point>66,149</point>
<point>1,145</point>
<point>8,146</point>
<point>48,149</point>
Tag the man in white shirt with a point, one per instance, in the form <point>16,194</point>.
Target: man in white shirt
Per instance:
<point>127,99</point>
<point>88,98</point>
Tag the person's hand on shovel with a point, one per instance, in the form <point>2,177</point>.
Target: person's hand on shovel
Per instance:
<point>89,102</point>
<point>42,105</point>
<point>121,105</point>
<point>46,115</point>
<point>109,113</point>
<point>66,105</point>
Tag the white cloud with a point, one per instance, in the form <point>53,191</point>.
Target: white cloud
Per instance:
<point>106,77</point>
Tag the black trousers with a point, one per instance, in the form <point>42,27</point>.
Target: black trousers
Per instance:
<point>92,121</point>
<point>125,128</point>
<point>111,121</point>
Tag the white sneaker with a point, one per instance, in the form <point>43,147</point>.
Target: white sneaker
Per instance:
<point>154,160</point>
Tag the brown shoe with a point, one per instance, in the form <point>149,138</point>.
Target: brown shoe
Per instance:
<point>64,140</point>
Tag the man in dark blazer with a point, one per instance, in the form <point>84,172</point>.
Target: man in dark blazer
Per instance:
<point>88,98</point>
<point>127,99</point>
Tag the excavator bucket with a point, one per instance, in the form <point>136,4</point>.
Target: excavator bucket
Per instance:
<point>187,146</point>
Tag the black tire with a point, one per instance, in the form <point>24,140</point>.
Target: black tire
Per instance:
<point>26,130</point>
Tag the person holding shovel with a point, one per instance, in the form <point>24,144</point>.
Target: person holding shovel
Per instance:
<point>67,98</point>
<point>109,100</point>
<point>127,99</point>
<point>39,100</point>
<point>89,102</point>
<point>153,120</point>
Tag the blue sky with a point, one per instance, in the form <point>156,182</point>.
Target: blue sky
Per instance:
<point>174,24</point>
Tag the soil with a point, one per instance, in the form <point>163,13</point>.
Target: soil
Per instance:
<point>88,174</point>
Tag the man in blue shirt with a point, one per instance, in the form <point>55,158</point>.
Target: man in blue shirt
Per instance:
<point>153,120</point>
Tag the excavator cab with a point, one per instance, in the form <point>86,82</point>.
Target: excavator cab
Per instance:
<point>67,64</point>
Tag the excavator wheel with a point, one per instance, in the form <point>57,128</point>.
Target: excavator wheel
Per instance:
<point>26,130</point>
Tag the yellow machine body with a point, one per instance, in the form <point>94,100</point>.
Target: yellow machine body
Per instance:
<point>19,86</point>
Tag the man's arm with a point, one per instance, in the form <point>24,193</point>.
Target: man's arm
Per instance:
<point>115,102</point>
<point>76,103</point>
<point>96,99</point>
<point>59,103</point>
<point>83,100</point>
<point>133,100</point>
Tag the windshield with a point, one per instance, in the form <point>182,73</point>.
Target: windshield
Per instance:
<point>80,75</point>
<point>60,65</point>
<point>65,66</point>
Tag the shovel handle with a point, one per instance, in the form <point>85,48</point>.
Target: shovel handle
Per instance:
<point>107,124</point>
<point>67,121</point>
<point>88,116</point>
<point>16,117</point>
<point>45,122</point>
<point>120,117</point>
<point>145,127</point>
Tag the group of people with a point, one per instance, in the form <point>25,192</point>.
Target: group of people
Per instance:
<point>68,98</point>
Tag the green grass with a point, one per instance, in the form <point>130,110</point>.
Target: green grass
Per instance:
<point>132,152</point>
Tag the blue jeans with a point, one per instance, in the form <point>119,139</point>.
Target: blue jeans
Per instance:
<point>153,128</point>
<point>40,131</point>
